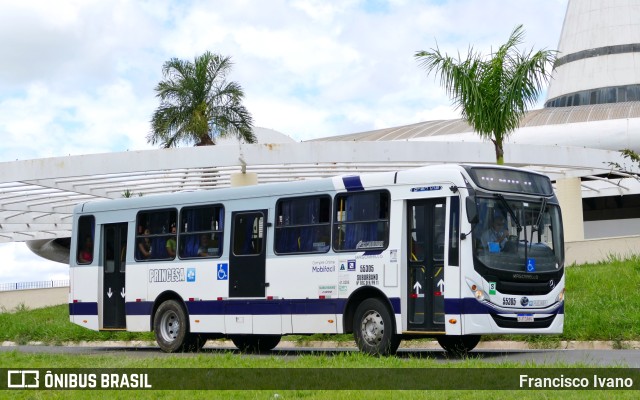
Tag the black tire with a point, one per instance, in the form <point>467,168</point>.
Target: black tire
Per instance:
<point>373,329</point>
<point>171,327</point>
<point>194,342</point>
<point>458,346</point>
<point>255,343</point>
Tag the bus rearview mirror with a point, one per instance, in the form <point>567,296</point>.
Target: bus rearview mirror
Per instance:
<point>472,210</point>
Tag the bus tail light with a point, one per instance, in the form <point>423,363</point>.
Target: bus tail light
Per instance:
<point>453,321</point>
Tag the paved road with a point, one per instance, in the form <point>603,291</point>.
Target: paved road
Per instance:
<point>577,357</point>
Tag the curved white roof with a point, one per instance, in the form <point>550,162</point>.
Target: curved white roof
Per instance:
<point>37,196</point>
<point>594,122</point>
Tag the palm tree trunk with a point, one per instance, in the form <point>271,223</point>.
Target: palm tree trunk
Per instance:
<point>205,140</point>
<point>497,144</point>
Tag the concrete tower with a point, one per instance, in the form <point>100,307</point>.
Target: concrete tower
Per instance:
<point>599,54</point>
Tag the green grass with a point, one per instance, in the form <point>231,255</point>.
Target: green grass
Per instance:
<point>602,303</point>
<point>51,325</point>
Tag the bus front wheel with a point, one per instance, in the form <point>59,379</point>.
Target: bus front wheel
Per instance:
<point>458,345</point>
<point>171,328</point>
<point>373,328</point>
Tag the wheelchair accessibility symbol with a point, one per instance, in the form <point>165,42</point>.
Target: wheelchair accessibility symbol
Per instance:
<point>531,265</point>
<point>223,272</point>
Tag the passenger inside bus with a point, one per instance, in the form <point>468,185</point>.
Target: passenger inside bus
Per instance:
<point>86,254</point>
<point>207,247</point>
<point>171,244</point>
<point>144,245</point>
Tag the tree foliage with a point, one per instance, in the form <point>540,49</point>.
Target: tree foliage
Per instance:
<point>493,93</point>
<point>198,103</point>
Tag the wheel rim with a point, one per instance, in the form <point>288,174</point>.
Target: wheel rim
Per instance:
<point>372,327</point>
<point>169,326</point>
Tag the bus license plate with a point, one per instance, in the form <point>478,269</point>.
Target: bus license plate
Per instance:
<point>525,317</point>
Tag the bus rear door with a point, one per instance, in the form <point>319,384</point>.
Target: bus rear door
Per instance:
<point>114,266</point>
<point>247,261</point>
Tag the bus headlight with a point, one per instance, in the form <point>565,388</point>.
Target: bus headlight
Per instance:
<point>480,295</point>
<point>560,296</point>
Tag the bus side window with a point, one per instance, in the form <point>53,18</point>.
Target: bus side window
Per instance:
<point>303,225</point>
<point>200,232</point>
<point>86,236</point>
<point>155,229</point>
<point>361,221</point>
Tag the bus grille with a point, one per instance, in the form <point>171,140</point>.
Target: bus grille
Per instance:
<point>509,322</point>
<point>524,288</point>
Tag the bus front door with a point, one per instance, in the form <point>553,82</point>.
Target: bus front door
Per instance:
<point>425,253</point>
<point>247,261</point>
<point>113,291</point>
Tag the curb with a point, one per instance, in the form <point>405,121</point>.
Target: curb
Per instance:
<point>349,345</point>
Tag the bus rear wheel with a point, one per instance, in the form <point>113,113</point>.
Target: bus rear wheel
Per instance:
<point>373,328</point>
<point>171,328</point>
<point>255,343</point>
<point>459,346</point>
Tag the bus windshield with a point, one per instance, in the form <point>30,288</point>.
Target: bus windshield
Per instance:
<point>518,236</point>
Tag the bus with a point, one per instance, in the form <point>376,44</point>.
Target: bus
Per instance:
<point>450,252</point>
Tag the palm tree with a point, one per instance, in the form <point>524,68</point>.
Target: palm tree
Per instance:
<point>492,93</point>
<point>198,104</point>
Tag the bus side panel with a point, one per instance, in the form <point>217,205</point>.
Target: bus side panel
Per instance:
<point>268,324</point>
<point>314,280</point>
<point>452,292</point>
<point>83,298</point>
<point>138,305</point>
<point>238,324</point>
<point>206,323</point>
<point>314,323</point>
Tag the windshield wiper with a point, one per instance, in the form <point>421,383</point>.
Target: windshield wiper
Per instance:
<point>536,227</point>
<point>511,213</point>
<point>518,228</point>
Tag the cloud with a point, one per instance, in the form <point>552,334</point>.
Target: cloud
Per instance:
<point>78,76</point>
<point>19,264</point>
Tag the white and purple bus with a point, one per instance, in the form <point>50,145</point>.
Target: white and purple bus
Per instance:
<point>449,251</point>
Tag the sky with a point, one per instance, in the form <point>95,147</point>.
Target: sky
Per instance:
<point>78,76</point>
